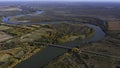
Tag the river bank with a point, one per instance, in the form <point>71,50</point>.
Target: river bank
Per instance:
<point>50,53</point>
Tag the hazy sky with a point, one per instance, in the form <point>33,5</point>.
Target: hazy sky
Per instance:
<point>66,0</point>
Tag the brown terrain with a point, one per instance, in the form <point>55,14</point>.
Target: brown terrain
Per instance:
<point>4,36</point>
<point>9,8</point>
<point>114,25</point>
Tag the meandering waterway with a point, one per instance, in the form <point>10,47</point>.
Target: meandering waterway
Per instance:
<point>49,53</point>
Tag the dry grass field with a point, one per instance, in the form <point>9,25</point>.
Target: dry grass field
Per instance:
<point>8,8</point>
<point>4,36</point>
<point>114,25</point>
<point>2,27</point>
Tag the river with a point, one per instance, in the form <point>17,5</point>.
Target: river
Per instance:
<point>49,53</point>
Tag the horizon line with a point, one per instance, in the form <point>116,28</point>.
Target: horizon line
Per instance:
<point>58,1</point>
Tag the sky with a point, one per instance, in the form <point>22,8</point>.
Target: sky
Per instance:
<point>67,0</point>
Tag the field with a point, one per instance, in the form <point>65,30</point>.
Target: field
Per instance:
<point>114,25</point>
<point>2,27</point>
<point>9,8</point>
<point>68,21</point>
<point>4,36</point>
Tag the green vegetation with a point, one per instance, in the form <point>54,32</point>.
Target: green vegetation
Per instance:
<point>66,25</point>
<point>23,44</point>
<point>62,33</point>
<point>2,27</point>
<point>11,57</point>
<point>18,31</point>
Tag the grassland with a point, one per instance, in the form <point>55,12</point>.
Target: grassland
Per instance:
<point>2,27</point>
<point>23,45</point>
<point>114,25</point>
<point>9,8</point>
<point>4,36</point>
